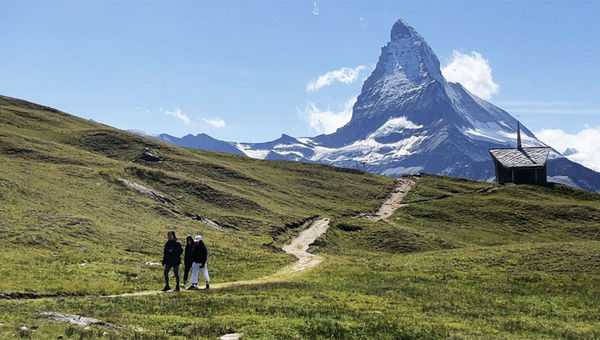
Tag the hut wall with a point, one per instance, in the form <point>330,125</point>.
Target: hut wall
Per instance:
<point>503,175</point>
<point>520,176</point>
<point>542,176</point>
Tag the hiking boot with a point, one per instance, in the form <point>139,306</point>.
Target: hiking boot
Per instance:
<point>167,288</point>
<point>193,287</point>
<point>176,289</point>
<point>207,285</point>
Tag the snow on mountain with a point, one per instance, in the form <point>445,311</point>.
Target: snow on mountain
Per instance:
<point>405,116</point>
<point>409,119</point>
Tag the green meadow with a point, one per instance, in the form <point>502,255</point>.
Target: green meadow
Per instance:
<point>462,259</point>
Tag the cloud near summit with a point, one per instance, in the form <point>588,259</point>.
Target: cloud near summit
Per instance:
<point>346,75</point>
<point>473,72</point>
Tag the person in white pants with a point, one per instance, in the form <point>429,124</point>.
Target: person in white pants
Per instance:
<point>199,256</point>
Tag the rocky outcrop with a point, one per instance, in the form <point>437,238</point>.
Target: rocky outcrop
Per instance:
<point>153,194</point>
<point>210,223</point>
<point>150,155</point>
<point>77,320</point>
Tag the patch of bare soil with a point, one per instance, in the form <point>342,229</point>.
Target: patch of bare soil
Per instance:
<point>393,202</point>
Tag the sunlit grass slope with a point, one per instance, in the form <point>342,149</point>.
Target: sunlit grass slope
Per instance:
<point>66,220</point>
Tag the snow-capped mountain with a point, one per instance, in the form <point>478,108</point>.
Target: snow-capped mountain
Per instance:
<point>409,119</point>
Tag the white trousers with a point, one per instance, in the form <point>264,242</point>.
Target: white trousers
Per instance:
<point>196,271</point>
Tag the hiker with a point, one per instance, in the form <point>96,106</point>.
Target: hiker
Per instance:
<point>199,255</point>
<point>187,259</point>
<point>172,259</point>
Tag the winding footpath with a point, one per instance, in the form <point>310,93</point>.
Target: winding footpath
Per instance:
<point>298,247</point>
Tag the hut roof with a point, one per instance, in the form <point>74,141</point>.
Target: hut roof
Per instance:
<point>521,158</point>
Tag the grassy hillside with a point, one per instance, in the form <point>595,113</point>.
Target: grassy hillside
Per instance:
<point>462,259</point>
<point>66,220</point>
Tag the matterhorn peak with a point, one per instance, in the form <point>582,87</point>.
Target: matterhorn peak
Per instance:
<point>408,53</point>
<point>402,29</point>
<point>406,69</point>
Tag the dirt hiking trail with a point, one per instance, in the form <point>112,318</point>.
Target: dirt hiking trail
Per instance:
<point>298,247</point>
<point>403,186</point>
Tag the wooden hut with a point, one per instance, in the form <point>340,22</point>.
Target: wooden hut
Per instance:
<point>520,165</point>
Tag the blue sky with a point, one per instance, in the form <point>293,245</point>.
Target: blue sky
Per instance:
<point>239,70</point>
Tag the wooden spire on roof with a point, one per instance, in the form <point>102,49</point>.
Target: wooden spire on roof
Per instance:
<point>519,136</point>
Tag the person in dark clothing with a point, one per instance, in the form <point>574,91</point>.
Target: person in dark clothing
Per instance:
<point>199,257</point>
<point>187,259</point>
<point>172,259</point>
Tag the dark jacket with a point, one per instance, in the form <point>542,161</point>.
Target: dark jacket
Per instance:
<point>199,254</point>
<point>189,257</point>
<point>172,253</point>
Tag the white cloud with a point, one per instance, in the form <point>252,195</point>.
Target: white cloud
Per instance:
<point>346,75</point>
<point>473,72</point>
<point>327,121</point>
<point>582,147</point>
<point>315,10</point>
<point>216,122</point>
<point>177,114</point>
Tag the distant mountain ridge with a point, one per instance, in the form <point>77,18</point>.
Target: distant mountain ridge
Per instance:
<point>409,119</point>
